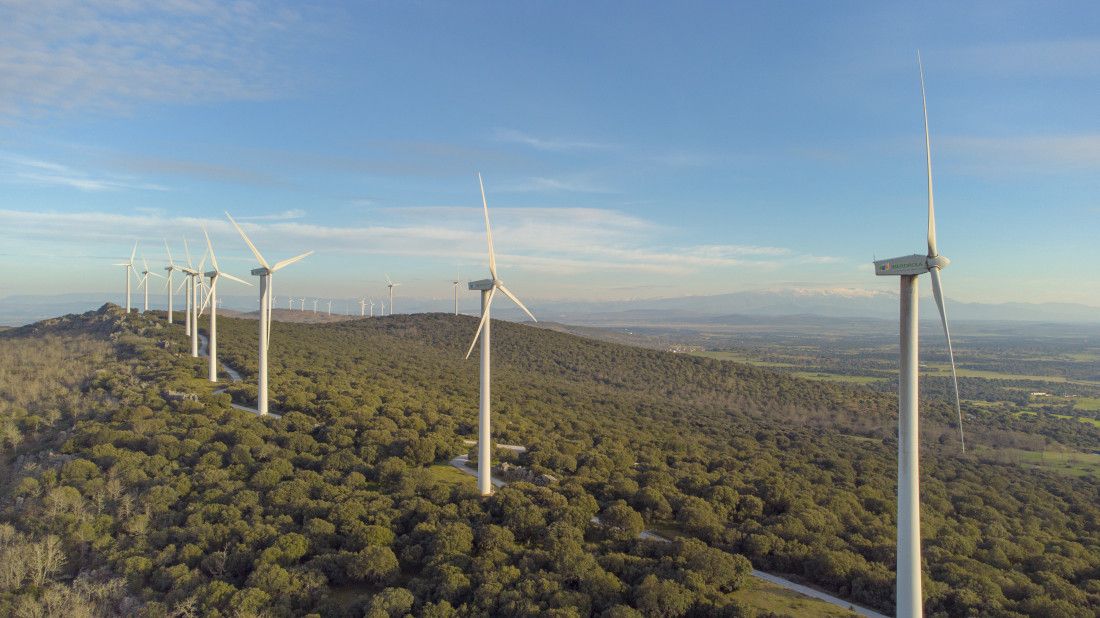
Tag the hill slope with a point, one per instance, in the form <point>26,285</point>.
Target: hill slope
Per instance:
<point>338,507</point>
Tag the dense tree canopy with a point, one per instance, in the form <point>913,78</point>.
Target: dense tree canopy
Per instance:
<point>162,503</point>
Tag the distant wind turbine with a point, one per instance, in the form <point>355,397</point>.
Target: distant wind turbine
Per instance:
<point>909,599</point>
<point>330,307</point>
<point>144,282</point>
<point>171,267</point>
<point>362,307</point>
<point>212,300</point>
<point>129,272</point>
<point>391,285</point>
<point>455,282</point>
<point>371,307</point>
<point>315,305</point>
<point>488,289</point>
<point>265,273</point>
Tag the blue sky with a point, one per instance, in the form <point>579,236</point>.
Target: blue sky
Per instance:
<point>629,150</point>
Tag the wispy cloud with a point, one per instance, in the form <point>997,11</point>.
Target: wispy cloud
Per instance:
<point>66,54</point>
<point>552,144</point>
<point>1066,58</point>
<point>540,184</point>
<point>547,241</point>
<point>27,170</point>
<point>286,215</point>
<point>1033,154</point>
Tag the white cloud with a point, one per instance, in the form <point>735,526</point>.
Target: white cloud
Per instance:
<point>26,170</point>
<point>512,136</point>
<point>63,54</point>
<point>1034,153</point>
<point>547,241</point>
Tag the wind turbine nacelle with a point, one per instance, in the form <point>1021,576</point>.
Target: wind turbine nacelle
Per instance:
<point>211,274</point>
<point>259,272</point>
<point>901,266</point>
<point>482,285</point>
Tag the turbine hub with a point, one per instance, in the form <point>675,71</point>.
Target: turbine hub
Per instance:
<point>939,262</point>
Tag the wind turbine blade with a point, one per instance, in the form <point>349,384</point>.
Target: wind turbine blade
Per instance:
<point>120,264</point>
<point>509,294</point>
<point>183,283</point>
<point>170,262</point>
<point>133,253</point>
<point>232,278</point>
<point>144,263</point>
<point>937,291</point>
<point>388,280</point>
<point>210,248</point>
<point>928,159</point>
<point>488,229</point>
<point>187,250</point>
<point>209,295</point>
<point>481,324</point>
<point>289,261</point>
<point>154,274</point>
<point>255,251</point>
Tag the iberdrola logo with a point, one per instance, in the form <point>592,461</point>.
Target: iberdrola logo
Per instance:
<point>885,266</point>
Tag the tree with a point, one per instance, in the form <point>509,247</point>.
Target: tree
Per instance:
<point>374,565</point>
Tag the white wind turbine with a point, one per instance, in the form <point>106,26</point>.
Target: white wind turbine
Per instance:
<point>129,271</point>
<point>171,267</point>
<point>362,307</point>
<point>303,305</point>
<point>455,283</point>
<point>212,300</point>
<point>194,283</point>
<point>189,272</point>
<point>265,273</point>
<point>371,301</point>
<point>330,307</point>
<point>909,599</point>
<point>488,288</point>
<point>315,305</point>
<point>391,285</point>
<point>145,282</point>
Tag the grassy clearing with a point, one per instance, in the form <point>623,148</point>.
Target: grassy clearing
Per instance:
<point>1087,404</point>
<point>1070,464</point>
<point>1084,419</point>
<point>740,358</point>
<point>944,369</point>
<point>446,473</point>
<point>835,377</point>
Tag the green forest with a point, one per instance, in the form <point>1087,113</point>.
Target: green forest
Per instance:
<point>129,486</point>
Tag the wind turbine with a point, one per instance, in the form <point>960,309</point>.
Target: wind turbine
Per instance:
<point>265,273</point>
<point>315,304</point>
<point>455,282</point>
<point>371,307</point>
<point>168,284</point>
<point>212,300</point>
<point>330,307</point>
<point>290,302</point>
<point>145,282</point>
<point>303,305</point>
<point>391,285</point>
<point>488,289</point>
<point>909,599</point>
<point>362,307</point>
<point>129,269</point>
<point>189,271</point>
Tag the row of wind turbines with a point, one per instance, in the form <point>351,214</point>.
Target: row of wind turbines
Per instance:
<point>908,268</point>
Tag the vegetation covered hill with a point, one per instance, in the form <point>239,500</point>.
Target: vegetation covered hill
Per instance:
<point>151,494</point>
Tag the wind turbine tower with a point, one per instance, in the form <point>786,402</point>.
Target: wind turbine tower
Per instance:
<point>908,268</point>
<point>145,282</point>
<point>129,271</point>
<point>455,282</point>
<point>168,284</point>
<point>391,285</point>
<point>212,300</point>
<point>265,273</point>
<point>488,289</point>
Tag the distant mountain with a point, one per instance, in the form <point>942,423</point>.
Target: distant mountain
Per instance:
<point>834,303</point>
